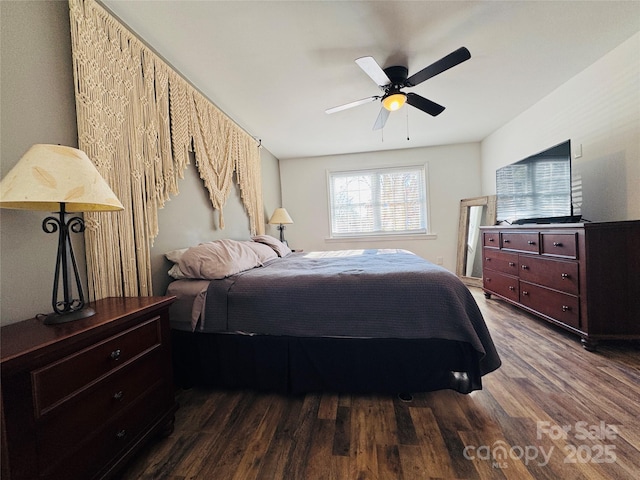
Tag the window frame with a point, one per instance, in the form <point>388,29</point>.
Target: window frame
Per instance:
<point>380,235</point>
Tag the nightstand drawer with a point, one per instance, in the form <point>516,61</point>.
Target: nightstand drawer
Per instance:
<point>110,440</point>
<point>54,382</point>
<point>62,429</point>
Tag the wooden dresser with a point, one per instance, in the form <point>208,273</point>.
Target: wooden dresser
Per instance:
<point>583,277</point>
<point>78,399</point>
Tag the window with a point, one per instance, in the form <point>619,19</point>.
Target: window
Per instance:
<point>384,201</point>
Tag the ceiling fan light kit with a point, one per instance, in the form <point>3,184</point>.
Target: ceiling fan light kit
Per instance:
<point>394,102</point>
<point>392,79</point>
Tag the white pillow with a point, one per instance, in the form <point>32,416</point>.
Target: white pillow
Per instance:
<point>218,259</point>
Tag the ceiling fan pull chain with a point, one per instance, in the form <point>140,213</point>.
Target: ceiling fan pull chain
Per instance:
<point>407,124</point>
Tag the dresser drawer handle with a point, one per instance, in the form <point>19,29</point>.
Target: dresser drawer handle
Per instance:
<point>524,267</point>
<point>115,355</point>
<point>118,395</point>
<point>524,292</point>
<point>565,276</point>
<point>566,308</point>
<point>531,242</point>
<point>491,239</point>
<point>506,240</point>
<point>557,244</point>
<point>487,259</point>
<point>511,264</point>
<point>122,434</point>
<point>512,288</point>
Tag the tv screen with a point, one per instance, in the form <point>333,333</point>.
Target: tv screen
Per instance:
<point>536,189</point>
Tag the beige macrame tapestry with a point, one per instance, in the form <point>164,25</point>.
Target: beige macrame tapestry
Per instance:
<point>138,120</point>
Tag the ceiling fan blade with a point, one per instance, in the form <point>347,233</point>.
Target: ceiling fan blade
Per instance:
<point>375,71</point>
<point>424,104</point>
<point>445,63</point>
<point>362,101</point>
<point>382,119</point>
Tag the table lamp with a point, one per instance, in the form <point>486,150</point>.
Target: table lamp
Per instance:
<point>59,179</point>
<point>280,217</point>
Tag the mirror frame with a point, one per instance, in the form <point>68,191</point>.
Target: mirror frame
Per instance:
<point>463,233</point>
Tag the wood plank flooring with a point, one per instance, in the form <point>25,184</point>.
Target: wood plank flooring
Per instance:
<point>552,411</point>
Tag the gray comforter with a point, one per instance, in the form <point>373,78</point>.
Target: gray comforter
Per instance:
<point>359,293</point>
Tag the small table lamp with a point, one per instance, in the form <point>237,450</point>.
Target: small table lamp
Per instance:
<point>52,178</point>
<point>281,217</point>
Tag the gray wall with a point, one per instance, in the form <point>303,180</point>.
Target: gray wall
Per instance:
<point>38,106</point>
<point>188,218</point>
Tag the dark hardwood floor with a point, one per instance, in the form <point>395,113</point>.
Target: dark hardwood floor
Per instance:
<point>553,410</point>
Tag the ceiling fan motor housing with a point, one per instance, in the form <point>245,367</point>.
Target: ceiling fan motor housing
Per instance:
<point>397,75</point>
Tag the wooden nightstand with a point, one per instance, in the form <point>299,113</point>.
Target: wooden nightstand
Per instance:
<point>79,398</point>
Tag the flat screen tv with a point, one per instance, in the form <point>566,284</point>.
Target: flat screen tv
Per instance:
<point>536,189</point>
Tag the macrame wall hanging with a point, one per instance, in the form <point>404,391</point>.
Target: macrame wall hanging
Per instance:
<point>138,120</point>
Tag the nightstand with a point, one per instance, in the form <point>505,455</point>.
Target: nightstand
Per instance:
<point>80,398</point>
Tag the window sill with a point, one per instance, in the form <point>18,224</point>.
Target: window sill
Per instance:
<point>378,238</point>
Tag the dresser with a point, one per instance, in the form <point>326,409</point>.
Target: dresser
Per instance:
<point>80,398</point>
<point>583,277</point>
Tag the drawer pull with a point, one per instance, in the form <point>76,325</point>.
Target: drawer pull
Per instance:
<point>566,308</point>
<point>491,239</point>
<point>524,267</point>
<point>118,395</point>
<point>557,244</point>
<point>512,288</point>
<point>565,276</point>
<point>511,264</point>
<point>531,242</point>
<point>121,435</point>
<point>115,355</point>
<point>506,240</point>
<point>487,259</point>
<point>524,292</point>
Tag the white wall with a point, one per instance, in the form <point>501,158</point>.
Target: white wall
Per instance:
<point>454,174</point>
<point>599,110</point>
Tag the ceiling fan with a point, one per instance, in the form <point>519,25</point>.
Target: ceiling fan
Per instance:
<point>392,79</point>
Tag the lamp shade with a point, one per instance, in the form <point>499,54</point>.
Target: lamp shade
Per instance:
<point>394,102</point>
<point>48,175</point>
<point>280,216</point>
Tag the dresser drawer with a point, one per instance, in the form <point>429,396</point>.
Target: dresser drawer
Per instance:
<point>63,428</point>
<point>56,381</point>
<point>491,239</point>
<point>558,306</point>
<point>521,242</point>
<point>501,261</point>
<point>560,244</point>
<point>501,284</point>
<point>556,274</point>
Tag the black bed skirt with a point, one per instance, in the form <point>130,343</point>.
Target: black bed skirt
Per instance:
<point>294,365</point>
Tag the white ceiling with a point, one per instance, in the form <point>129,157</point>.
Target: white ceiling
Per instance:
<point>276,66</point>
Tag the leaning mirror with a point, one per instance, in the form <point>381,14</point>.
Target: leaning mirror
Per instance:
<point>474,212</point>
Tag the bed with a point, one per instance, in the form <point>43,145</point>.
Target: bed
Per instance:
<point>357,321</point>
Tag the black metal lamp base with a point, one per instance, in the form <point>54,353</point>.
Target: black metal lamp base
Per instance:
<point>56,318</point>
